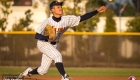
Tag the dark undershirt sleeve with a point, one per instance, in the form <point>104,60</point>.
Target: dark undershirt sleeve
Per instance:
<point>41,37</point>
<point>88,15</point>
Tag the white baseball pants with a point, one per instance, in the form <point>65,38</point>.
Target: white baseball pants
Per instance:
<point>49,53</point>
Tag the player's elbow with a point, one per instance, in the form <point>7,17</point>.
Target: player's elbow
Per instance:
<point>36,36</point>
<point>41,37</point>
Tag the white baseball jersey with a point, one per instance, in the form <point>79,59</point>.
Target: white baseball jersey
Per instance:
<point>49,51</point>
<point>61,26</point>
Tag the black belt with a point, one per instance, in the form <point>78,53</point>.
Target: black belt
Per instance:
<point>53,43</point>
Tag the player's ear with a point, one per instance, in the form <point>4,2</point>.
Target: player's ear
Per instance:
<point>52,10</point>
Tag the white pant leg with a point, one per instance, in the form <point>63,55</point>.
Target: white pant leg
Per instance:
<point>45,65</point>
<point>49,53</point>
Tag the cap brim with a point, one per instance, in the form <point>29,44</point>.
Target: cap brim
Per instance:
<point>61,3</point>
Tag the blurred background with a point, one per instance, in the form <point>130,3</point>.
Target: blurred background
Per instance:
<point>109,39</point>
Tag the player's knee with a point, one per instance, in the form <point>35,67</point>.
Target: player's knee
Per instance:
<point>58,58</point>
<point>42,71</point>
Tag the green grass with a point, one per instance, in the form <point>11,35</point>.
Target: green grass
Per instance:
<point>79,71</point>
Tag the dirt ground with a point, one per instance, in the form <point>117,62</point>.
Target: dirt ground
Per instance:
<point>74,78</point>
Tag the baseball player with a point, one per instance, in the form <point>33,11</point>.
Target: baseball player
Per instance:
<point>48,34</point>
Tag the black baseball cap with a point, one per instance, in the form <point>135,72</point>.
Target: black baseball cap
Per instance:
<point>55,3</point>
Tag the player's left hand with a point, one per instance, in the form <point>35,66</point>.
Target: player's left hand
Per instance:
<point>101,9</point>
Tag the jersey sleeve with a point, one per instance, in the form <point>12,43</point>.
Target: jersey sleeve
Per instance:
<point>41,28</point>
<point>73,20</point>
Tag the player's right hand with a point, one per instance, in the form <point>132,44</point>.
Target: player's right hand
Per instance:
<point>101,9</point>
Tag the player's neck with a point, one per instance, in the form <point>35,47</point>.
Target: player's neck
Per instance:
<point>56,19</point>
<point>56,16</point>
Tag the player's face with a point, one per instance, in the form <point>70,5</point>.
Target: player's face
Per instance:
<point>57,10</point>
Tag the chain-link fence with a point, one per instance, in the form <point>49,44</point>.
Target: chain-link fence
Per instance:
<point>82,50</point>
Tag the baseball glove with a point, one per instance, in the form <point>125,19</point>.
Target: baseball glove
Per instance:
<point>50,31</point>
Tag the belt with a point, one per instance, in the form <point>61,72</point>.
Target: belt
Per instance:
<point>53,43</point>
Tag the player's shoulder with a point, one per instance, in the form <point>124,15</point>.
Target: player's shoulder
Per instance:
<point>67,16</point>
<point>47,19</point>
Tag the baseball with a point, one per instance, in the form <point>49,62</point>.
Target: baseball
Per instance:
<point>131,78</point>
